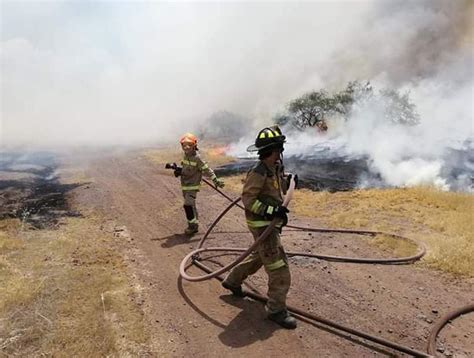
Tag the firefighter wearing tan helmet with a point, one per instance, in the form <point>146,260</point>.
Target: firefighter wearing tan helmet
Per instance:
<point>190,172</point>
<point>262,197</point>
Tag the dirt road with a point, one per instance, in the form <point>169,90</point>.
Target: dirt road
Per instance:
<point>399,303</point>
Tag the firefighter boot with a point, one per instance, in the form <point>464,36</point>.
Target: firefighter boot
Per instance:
<point>236,290</point>
<point>192,229</point>
<point>283,318</point>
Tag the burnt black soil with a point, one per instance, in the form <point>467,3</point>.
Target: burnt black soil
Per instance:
<point>331,174</point>
<point>36,196</point>
<point>333,169</point>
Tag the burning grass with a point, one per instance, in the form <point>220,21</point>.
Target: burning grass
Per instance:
<point>442,220</point>
<point>66,293</point>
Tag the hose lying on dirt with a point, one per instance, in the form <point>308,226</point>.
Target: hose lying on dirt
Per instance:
<point>194,255</point>
<point>329,323</point>
<point>245,252</point>
<point>431,348</point>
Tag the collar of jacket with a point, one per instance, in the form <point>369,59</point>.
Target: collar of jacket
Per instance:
<point>190,156</point>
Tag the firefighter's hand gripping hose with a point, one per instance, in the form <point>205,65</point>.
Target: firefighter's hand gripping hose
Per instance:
<point>194,256</point>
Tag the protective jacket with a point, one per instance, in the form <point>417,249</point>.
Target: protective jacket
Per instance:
<point>193,167</point>
<point>263,193</point>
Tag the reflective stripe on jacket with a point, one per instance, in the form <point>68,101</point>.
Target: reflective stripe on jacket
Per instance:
<point>193,167</point>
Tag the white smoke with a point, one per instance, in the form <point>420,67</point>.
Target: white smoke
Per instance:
<point>401,154</point>
<point>114,73</point>
<point>433,61</point>
<point>127,72</point>
<point>424,48</point>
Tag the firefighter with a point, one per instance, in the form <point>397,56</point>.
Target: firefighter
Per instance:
<point>262,197</point>
<point>192,167</point>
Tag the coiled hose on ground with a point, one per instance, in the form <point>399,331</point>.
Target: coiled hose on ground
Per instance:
<point>195,259</point>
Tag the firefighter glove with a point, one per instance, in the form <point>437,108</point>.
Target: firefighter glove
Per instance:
<point>178,171</point>
<point>288,180</point>
<point>281,212</point>
<point>218,183</point>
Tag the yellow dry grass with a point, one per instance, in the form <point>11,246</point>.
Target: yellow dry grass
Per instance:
<point>235,183</point>
<point>444,221</point>
<point>397,247</point>
<point>9,236</point>
<point>66,293</point>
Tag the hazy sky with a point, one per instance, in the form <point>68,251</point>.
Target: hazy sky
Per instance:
<point>120,72</point>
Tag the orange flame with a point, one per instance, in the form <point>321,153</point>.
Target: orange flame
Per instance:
<point>217,151</point>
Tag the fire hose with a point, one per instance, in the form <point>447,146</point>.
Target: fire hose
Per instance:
<point>194,256</point>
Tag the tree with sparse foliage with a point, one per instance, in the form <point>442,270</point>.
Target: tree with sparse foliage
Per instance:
<point>314,107</point>
<point>310,108</point>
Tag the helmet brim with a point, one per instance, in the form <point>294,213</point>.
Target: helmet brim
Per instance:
<point>254,148</point>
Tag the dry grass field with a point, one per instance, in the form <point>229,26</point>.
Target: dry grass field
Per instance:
<point>66,293</point>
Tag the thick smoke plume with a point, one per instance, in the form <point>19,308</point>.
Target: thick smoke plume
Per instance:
<point>432,59</point>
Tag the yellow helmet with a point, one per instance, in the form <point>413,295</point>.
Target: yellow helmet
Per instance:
<point>268,137</point>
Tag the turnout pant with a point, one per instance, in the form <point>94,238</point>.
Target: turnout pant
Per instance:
<point>190,206</point>
<point>271,255</point>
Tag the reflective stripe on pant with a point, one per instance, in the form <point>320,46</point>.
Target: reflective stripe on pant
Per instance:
<point>271,255</point>
<point>190,201</point>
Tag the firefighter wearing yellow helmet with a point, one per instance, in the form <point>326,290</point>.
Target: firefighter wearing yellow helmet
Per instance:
<point>191,170</point>
<point>262,197</point>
